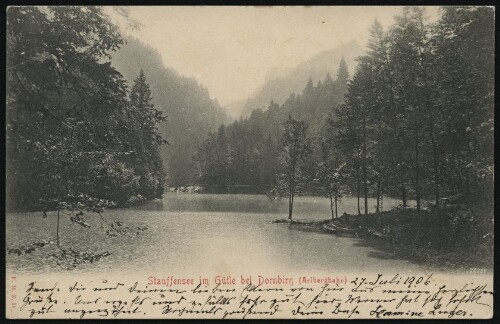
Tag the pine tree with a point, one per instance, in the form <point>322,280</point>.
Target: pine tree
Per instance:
<point>343,71</point>
<point>342,80</point>
<point>144,118</point>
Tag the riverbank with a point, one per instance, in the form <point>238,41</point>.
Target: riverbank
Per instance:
<point>455,237</point>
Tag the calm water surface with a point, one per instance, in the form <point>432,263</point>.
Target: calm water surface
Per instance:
<point>201,233</point>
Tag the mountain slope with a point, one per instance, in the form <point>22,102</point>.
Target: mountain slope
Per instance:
<point>191,112</point>
<point>278,89</point>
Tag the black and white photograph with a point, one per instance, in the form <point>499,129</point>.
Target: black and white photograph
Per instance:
<point>231,162</point>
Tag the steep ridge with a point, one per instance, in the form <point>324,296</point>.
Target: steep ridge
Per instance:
<point>192,114</point>
<point>279,88</point>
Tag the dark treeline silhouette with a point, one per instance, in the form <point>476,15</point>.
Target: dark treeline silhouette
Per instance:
<point>77,138</point>
<point>417,121</point>
<point>245,156</point>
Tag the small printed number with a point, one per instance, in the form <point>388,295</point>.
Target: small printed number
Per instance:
<point>477,270</point>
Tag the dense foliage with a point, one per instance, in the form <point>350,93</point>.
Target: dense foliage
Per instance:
<point>418,118</point>
<point>76,140</point>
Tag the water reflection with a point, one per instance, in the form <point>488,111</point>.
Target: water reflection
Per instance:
<point>305,206</point>
<point>210,234</point>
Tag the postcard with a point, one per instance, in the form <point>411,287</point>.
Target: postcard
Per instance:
<point>249,162</point>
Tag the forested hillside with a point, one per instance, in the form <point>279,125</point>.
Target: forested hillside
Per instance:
<point>190,111</point>
<point>280,84</point>
<point>244,156</point>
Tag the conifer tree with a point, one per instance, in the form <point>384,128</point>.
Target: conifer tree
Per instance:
<point>144,119</point>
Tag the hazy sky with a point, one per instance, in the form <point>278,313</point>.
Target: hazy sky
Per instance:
<point>231,49</point>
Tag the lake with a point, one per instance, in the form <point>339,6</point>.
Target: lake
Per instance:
<point>203,233</point>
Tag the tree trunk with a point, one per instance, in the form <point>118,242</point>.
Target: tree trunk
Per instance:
<point>381,199</point>
<point>358,192</point>
<point>417,169</point>
<point>378,197</point>
<point>331,205</point>
<point>434,161</point>
<point>365,190</point>
<point>365,173</point>
<point>417,164</point>
<point>403,195</point>
<point>336,206</point>
<point>57,232</point>
<point>336,186</point>
<point>291,183</point>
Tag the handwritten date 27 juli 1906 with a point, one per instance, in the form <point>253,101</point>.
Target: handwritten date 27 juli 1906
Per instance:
<point>376,296</point>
